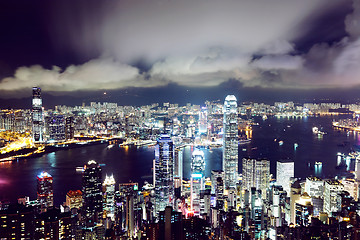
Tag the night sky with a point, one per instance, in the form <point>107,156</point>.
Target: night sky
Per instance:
<point>144,51</point>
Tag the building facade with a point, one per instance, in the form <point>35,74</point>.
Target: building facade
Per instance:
<point>230,142</point>
<point>37,116</point>
<point>163,174</point>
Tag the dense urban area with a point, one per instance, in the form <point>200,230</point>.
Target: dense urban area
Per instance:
<point>232,203</point>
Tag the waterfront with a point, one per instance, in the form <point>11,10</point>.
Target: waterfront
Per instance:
<point>18,178</point>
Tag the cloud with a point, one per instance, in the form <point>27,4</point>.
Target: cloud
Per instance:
<point>194,43</point>
<point>95,74</point>
<point>352,21</point>
<point>275,62</point>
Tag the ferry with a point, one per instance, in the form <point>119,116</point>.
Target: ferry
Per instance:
<point>316,130</point>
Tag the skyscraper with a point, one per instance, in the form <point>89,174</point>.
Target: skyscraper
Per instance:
<point>230,142</point>
<point>92,193</point>
<point>45,190</point>
<point>331,189</point>
<point>197,179</point>
<point>37,115</point>
<point>109,196</point>
<point>69,128</point>
<point>256,174</point>
<point>164,160</point>
<point>284,172</point>
<point>55,127</point>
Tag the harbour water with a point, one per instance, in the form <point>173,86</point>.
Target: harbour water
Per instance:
<point>18,178</point>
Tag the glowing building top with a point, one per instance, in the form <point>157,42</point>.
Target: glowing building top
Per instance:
<point>109,180</point>
<point>198,162</point>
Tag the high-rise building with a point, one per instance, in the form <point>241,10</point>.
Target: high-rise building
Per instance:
<point>214,175</point>
<point>69,127</point>
<point>74,199</point>
<point>303,210</point>
<point>45,191</point>
<point>284,172</point>
<point>314,186</point>
<point>357,168</point>
<point>197,179</point>
<point>178,171</point>
<point>331,189</point>
<point>128,193</point>
<point>352,187</point>
<point>92,193</point>
<point>256,173</point>
<point>37,115</point>
<point>109,196</point>
<point>55,126</point>
<point>230,142</point>
<point>203,121</point>
<point>164,160</point>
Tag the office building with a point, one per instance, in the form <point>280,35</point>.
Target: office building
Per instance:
<point>164,160</point>
<point>45,191</point>
<point>74,199</point>
<point>303,210</point>
<point>37,116</point>
<point>128,193</point>
<point>69,128</point>
<point>331,190</point>
<point>109,196</point>
<point>92,193</point>
<point>55,126</point>
<point>256,173</point>
<point>284,173</point>
<point>314,186</point>
<point>230,142</point>
<point>178,171</point>
<point>197,179</point>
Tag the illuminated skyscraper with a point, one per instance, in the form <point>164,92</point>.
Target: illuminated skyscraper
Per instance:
<point>230,142</point>
<point>92,193</point>
<point>256,174</point>
<point>197,179</point>
<point>203,121</point>
<point>109,196</point>
<point>284,172</point>
<point>37,115</point>
<point>69,128</point>
<point>331,189</point>
<point>164,160</point>
<point>45,191</point>
<point>55,127</point>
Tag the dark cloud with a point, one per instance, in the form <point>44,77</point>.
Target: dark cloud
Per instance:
<point>77,45</point>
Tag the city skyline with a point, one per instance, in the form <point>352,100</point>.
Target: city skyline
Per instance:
<point>282,45</point>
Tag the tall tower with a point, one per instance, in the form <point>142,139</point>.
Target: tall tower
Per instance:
<point>197,179</point>
<point>109,196</point>
<point>45,191</point>
<point>92,193</point>
<point>164,160</point>
<point>256,174</point>
<point>37,115</point>
<point>284,172</point>
<point>230,142</point>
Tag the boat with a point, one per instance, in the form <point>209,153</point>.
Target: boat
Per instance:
<point>264,117</point>
<point>281,143</point>
<point>110,146</point>
<point>316,130</point>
